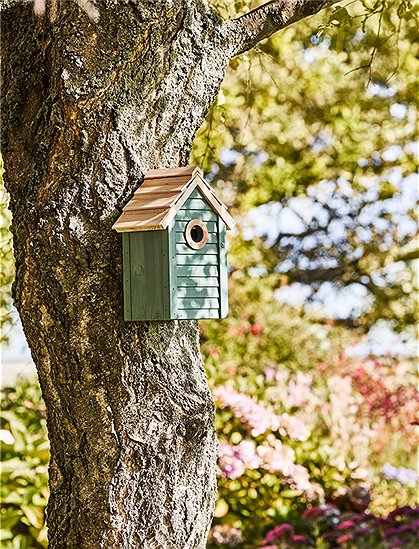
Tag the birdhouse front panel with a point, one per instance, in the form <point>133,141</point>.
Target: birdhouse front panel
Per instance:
<point>174,248</point>
<point>201,268</point>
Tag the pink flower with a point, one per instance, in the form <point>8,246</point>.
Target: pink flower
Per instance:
<point>344,538</point>
<point>299,390</point>
<point>269,373</point>
<point>392,531</point>
<point>313,512</point>
<point>224,534</point>
<point>361,516</point>
<point>276,457</point>
<point>257,418</point>
<point>346,524</point>
<point>405,510</point>
<point>407,527</point>
<point>255,330</point>
<point>278,531</point>
<point>294,428</point>
<point>234,459</point>
<point>214,352</point>
<point>299,539</point>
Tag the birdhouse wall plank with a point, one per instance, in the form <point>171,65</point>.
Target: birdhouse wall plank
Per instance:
<point>194,292</point>
<point>209,249</point>
<point>198,303</point>
<point>173,284</point>
<point>197,270</point>
<point>181,224</point>
<point>201,260</point>
<point>198,282</point>
<point>149,275</point>
<point>196,204</point>
<point>127,276</point>
<point>196,314</point>
<point>223,274</point>
<point>187,215</point>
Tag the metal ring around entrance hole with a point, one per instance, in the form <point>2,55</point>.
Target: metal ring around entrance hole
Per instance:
<point>196,245</point>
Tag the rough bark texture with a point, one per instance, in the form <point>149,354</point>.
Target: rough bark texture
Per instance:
<point>87,108</point>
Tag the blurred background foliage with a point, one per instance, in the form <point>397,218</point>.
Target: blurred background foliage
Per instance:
<point>312,143</point>
<point>6,261</point>
<point>317,128</point>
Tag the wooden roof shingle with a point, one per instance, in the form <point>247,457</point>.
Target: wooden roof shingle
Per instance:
<point>161,195</point>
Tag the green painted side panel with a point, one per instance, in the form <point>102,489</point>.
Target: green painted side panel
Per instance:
<point>197,314</point>
<point>126,274</point>
<point>180,225</point>
<point>197,303</point>
<point>223,274</point>
<point>173,289</point>
<point>198,281</point>
<point>149,273</point>
<point>208,249</point>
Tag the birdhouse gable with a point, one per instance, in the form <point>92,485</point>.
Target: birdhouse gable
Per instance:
<point>162,195</point>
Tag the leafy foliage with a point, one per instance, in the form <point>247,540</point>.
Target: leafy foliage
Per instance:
<point>327,153</point>
<point>24,478</point>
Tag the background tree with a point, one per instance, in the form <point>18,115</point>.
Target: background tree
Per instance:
<point>92,99</point>
<point>323,139</point>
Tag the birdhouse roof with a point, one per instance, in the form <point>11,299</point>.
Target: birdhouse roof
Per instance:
<point>161,195</point>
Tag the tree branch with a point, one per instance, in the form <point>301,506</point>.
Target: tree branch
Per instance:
<point>249,29</point>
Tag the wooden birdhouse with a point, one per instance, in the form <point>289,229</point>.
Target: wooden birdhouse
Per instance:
<point>174,248</point>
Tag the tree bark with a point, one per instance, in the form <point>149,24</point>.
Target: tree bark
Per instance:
<point>88,107</point>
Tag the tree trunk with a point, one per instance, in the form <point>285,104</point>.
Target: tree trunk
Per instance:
<point>88,107</point>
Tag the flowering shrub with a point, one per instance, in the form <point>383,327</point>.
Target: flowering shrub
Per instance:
<point>401,474</point>
<point>328,527</point>
<point>307,434</point>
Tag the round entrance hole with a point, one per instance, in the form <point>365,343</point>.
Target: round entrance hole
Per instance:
<point>196,234</point>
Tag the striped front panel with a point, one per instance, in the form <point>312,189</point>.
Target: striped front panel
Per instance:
<point>197,271</point>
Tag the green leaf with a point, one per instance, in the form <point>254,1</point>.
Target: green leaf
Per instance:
<point>34,515</point>
<point>5,534</point>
